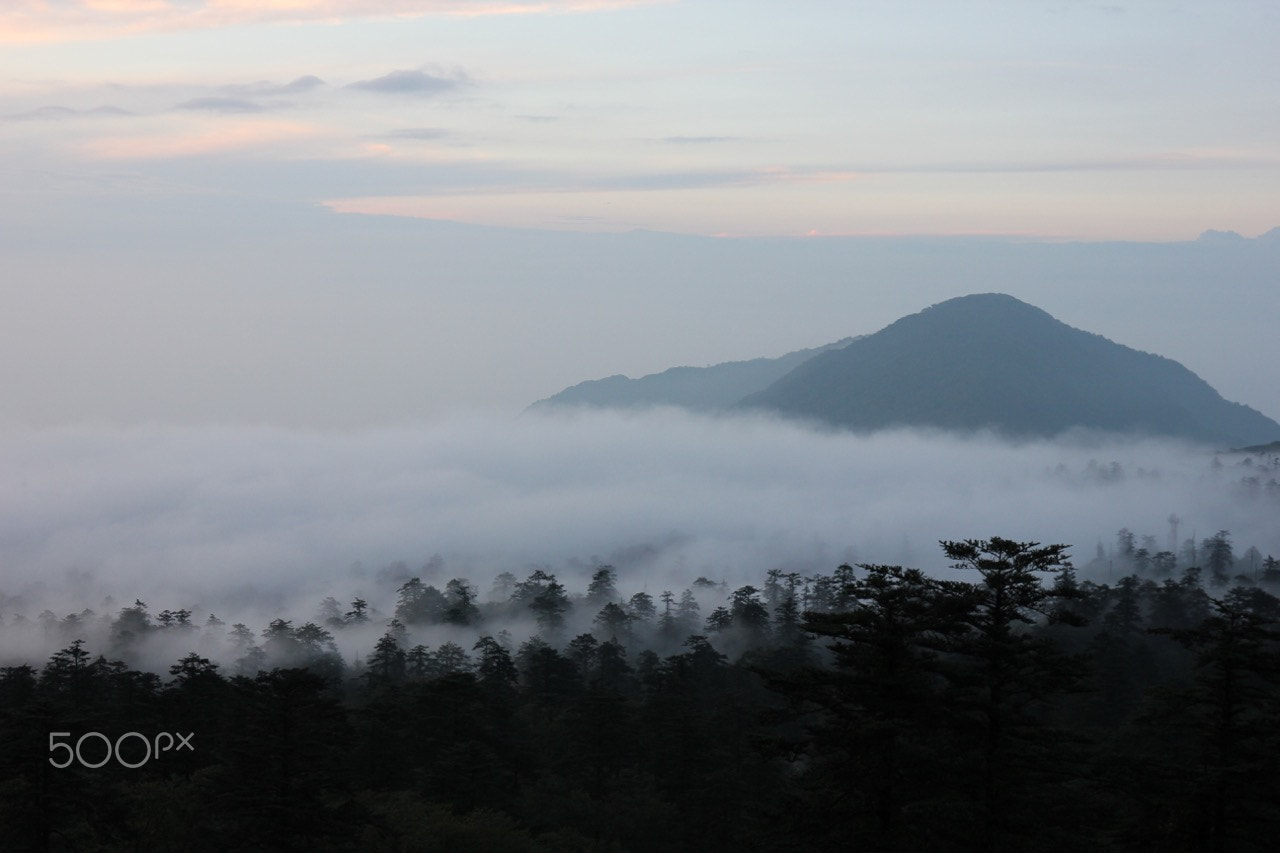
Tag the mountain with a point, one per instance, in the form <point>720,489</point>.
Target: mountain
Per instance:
<point>1235,238</point>
<point>992,361</point>
<point>985,361</point>
<point>1222,238</point>
<point>698,388</point>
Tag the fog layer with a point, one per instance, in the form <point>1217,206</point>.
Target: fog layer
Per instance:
<point>270,520</point>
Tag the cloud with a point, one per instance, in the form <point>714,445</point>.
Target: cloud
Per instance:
<point>220,105</point>
<point>218,519</point>
<point>57,113</point>
<point>806,175</point>
<point>1184,160</point>
<point>411,82</point>
<point>262,88</point>
<point>515,180</point>
<point>37,21</point>
<point>699,178</point>
<point>699,140</point>
<point>249,133</point>
<point>417,133</point>
<point>685,179</point>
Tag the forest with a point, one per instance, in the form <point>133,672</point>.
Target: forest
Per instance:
<point>1011,705</point>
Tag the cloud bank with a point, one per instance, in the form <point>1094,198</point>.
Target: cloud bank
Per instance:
<point>221,105</point>
<point>411,82</point>
<point>251,523</point>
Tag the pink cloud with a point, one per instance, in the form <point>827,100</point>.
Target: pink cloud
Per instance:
<point>36,21</point>
<point>215,138</point>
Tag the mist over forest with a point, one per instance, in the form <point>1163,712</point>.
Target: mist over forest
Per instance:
<point>584,629</point>
<point>603,631</point>
<point>253,525</point>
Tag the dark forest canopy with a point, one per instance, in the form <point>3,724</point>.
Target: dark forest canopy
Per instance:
<point>1012,707</point>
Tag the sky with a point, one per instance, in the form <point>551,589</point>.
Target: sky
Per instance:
<point>362,213</point>
<point>1080,120</point>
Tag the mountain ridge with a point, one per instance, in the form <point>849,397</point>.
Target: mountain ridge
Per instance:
<point>989,361</point>
<point>707,388</point>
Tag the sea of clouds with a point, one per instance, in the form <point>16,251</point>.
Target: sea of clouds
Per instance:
<point>253,523</point>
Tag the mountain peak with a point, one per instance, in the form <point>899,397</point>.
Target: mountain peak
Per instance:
<point>985,307</point>
<point>986,361</point>
<point>990,361</point>
<point>983,299</point>
<point>1221,237</point>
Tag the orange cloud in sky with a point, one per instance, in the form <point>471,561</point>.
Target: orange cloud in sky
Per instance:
<point>213,138</point>
<point>41,21</point>
<point>761,208</point>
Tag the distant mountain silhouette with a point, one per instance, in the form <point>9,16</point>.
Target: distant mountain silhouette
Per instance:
<point>1235,238</point>
<point>698,388</point>
<point>985,361</point>
<point>1272,448</point>
<point>1221,237</point>
<point>992,361</point>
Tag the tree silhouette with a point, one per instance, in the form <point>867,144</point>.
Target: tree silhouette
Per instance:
<point>1012,671</point>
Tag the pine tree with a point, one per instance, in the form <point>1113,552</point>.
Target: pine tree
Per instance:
<point>546,597</point>
<point>387,663</point>
<point>460,597</point>
<point>280,645</point>
<point>1012,671</point>
<point>749,615</point>
<point>451,658</point>
<point>641,607</point>
<point>688,614</point>
<point>668,623</point>
<point>602,588</point>
<point>546,672</point>
<point>495,667</point>
<point>881,746</point>
<point>130,628</point>
<point>1219,739</point>
<point>417,662</point>
<point>584,651</point>
<point>613,621</point>
<point>1218,557</point>
<point>359,612</point>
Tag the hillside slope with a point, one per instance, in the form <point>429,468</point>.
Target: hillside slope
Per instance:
<point>992,361</point>
<point>697,388</point>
